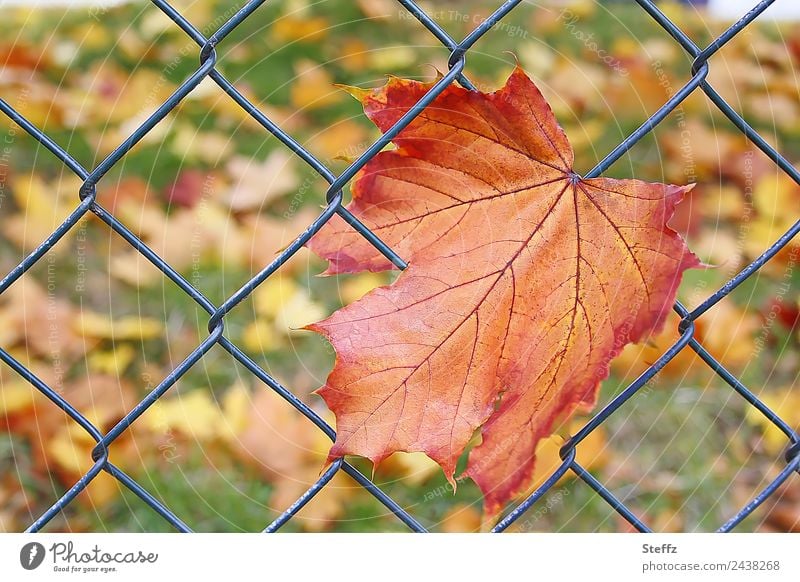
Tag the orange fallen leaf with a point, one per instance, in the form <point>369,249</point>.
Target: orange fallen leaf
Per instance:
<point>42,322</point>
<point>287,450</point>
<point>313,87</point>
<point>461,518</point>
<point>524,281</point>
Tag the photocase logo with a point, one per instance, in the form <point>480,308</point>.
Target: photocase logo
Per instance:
<point>31,555</point>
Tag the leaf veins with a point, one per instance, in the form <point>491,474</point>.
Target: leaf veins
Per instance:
<point>524,280</point>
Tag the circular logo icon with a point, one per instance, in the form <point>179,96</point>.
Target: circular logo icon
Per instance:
<point>31,555</point>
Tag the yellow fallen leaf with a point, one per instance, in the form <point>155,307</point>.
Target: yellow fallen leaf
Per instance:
<point>134,269</point>
<point>591,454</point>
<point>344,140</point>
<point>415,468</point>
<point>392,58</point>
<point>773,194</point>
<point>626,47</point>
<point>378,9</point>
<point>762,234</point>
<point>9,333</point>
<point>194,414</point>
<point>43,206</point>
<point>260,336</point>
<point>676,12</point>
<point>97,325</point>
<point>273,294</point>
<point>354,289</point>
<point>737,346</point>
<point>218,231</point>
<point>661,49</point>
<point>113,362</point>
<point>583,9</point>
<point>352,54</point>
<point>724,201</point>
<point>786,404</point>
<point>94,35</point>
<point>298,312</point>
<point>73,459</point>
<point>154,24</point>
<point>236,405</point>
<point>39,107</point>
<point>718,247</point>
<point>313,87</point>
<point>213,100</point>
<point>584,135</point>
<point>16,396</point>
<point>69,456</point>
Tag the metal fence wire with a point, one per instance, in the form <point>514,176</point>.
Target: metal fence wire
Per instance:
<point>101,454</point>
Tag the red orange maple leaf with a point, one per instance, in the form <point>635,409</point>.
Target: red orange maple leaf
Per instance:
<point>524,281</point>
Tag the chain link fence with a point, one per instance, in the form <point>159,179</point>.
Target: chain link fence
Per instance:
<point>87,203</point>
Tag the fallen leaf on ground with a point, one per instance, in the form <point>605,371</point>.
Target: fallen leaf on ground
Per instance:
<point>786,404</point>
<point>283,445</point>
<point>97,325</point>
<point>461,519</point>
<point>256,184</point>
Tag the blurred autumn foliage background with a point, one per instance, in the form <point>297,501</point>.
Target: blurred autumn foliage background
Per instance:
<point>216,197</point>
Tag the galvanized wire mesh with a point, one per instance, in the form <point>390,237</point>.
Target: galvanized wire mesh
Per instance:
<point>87,203</point>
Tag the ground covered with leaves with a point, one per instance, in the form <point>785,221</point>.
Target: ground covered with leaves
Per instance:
<point>213,194</point>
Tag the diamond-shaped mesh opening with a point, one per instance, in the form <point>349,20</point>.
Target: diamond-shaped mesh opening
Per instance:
<point>232,30</point>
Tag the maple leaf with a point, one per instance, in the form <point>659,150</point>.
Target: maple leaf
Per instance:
<point>524,281</point>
